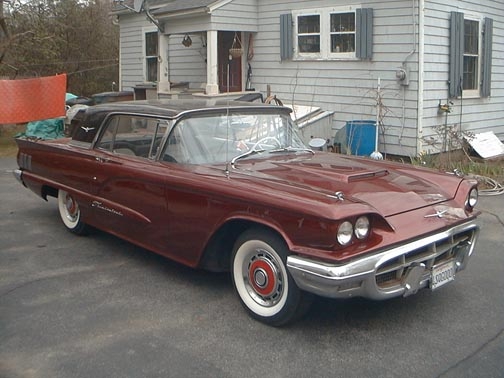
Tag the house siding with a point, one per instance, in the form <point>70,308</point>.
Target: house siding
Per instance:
<point>345,87</point>
<point>472,115</point>
<point>349,87</point>
<point>131,50</point>
<point>238,12</point>
<point>187,64</point>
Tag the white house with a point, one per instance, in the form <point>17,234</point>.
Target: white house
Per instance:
<point>425,63</point>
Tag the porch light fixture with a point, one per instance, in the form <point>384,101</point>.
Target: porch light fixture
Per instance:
<point>187,41</point>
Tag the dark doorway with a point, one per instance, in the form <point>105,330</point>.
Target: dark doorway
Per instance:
<point>225,42</point>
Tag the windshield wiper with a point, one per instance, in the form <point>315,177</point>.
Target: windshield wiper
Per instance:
<point>275,151</point>
<point>291,149</point>
<point>245,154</point>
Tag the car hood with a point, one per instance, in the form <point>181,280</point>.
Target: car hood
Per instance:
<point>390,188</point>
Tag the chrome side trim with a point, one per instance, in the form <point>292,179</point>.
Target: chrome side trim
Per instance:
<point>358,277</point>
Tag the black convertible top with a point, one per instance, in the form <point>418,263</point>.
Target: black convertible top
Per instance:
<point>87,121</point>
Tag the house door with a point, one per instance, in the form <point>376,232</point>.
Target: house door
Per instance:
<point>225,41</point>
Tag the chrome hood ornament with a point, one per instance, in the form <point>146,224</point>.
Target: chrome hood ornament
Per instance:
<point>439,214</point>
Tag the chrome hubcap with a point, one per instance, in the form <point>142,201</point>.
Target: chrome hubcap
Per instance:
<point>71,208</point>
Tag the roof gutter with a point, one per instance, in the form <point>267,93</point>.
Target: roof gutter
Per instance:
<point>196,11</point>
<point>218,4</point>
<point>187,13</point>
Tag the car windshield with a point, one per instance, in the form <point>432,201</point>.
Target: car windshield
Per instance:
<point>220,138</point>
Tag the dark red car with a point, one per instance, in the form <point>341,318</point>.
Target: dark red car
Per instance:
<point>229,186</point>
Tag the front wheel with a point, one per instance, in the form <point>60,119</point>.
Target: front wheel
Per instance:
<point>70,213</point>
<point>262,281</point>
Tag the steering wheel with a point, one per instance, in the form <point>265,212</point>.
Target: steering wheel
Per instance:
<point>263,140</point>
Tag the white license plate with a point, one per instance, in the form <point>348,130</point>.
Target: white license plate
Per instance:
<point>442,274</point>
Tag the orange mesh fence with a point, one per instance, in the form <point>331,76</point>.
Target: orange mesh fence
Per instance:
<point>32,99</point>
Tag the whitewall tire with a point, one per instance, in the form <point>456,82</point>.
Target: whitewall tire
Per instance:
<point>262,281</point>
<point>70,213</point>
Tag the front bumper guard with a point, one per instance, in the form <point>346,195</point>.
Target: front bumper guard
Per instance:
<point>357,278</point>
<point>18,174</point>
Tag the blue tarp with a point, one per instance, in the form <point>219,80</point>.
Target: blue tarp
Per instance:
<point>46,129</point>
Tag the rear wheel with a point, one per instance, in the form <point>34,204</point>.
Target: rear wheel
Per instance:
<point>70,213</point>
<point>262,281</point>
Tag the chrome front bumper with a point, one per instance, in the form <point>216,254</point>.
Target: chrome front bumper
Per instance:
<point>399,271</point>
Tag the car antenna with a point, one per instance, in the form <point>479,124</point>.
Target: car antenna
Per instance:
<point>227,118</point>
<point>227,141</point>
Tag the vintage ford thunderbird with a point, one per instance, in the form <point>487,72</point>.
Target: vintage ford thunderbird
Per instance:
<point>230,186</point>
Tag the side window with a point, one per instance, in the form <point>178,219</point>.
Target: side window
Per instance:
<point>133,136</point>
<point>106,140</point>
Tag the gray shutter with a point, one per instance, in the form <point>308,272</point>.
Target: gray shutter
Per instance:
<point>486,74</point>
<point>364,33</point>
<point>456,54</point>
<point>286,46</point>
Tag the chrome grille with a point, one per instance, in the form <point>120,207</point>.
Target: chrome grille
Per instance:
<point>391,272</point>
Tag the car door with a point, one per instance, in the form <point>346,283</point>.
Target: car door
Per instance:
<point>128,184</point>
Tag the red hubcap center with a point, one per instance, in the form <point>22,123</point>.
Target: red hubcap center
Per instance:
<point>70,205</point>
<point>262,277</point>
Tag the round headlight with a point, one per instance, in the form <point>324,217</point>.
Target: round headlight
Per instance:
<point>345,231</point>
<point>362,227</point>
<point>472,198</point>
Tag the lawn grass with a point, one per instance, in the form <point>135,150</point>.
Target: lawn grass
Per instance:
<point>464,162</point>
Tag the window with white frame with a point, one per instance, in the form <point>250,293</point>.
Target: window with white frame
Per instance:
<point>470,55</point>
<point>151,56</point>
<point>327,33</point>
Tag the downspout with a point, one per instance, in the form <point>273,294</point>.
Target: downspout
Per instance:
<point>413,49</point>
<point>120,87</point>
<point>421,64</point>
<point>151,17</point>
<point>405,69</point>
